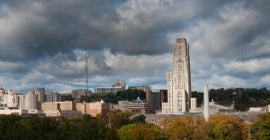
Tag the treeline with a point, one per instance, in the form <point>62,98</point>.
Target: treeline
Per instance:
<point>14,127</point>
<point>128,94</point>
<point>119,125</point>
<point>243,98</point>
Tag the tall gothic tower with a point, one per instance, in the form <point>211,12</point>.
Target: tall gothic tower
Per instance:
<point>178,80</point>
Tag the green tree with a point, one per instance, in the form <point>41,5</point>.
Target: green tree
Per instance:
<point>138,119</point>
<point>9,126</point>
<point>126,132</point>
<point>117,119</point>
<point>226,127</point>
<point>260,129</point>
<point>112,135</point>
<point>141,132</point>
<point>70,129</point>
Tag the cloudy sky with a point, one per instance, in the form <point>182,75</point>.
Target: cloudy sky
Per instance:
<point>43,43</point>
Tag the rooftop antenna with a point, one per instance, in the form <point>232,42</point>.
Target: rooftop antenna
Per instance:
<point>86,70</point>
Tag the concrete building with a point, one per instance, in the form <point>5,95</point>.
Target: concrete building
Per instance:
<point>155,119</point>
<point>50,106</point>
<point>61,109</point>
<point>40,93</point>
<point>13,111</point>
<point>10,99</point>
<point>155,102</point>
<point>193,102</point>
<point>81,107</point>
<point>120,84</point>
<point>164,95</point>
<point>95,108</point>
<point>147,91</point>
<point>215,109</point>
<point>116,87</point>
<point>69,109</point>
<point>137,106</point>
<point>53,97</point>
<point>22,101</point>
<point>67,106</point>
<point>40,96</point>
<point>30,100</point>
<point>106,90</point>
<point>178,80</point>
<point>80,92</point>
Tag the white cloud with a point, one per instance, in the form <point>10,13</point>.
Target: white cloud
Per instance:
<point>137,63</point>
<point>265,81</point>
<point>251,66</point>
<point>11,66</point>
<point>226,81</point>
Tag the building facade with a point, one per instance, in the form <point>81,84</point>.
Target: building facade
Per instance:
<point>40,97</point>
<point>106,90</point>
<point>31,100</point>
<point>53,97</point>
<point>147,91</point>
<point>178,80</point>
<point>136,107</point>
<point>116,87</point>
<point>120,84</point>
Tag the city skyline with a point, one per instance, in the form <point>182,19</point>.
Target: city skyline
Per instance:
<point>44,43</point>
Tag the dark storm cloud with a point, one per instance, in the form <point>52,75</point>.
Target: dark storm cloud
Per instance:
<point>47,40</point>
<point>41,28</point>
<point>46,27</point>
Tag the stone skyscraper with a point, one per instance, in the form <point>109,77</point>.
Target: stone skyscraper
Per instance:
<point>178,80</point>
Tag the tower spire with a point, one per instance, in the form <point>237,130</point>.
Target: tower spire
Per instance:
<point>178,80</point>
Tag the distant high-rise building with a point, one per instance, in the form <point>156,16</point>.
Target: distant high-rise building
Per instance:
<point>178,80</point>
<point>106,90</point>
<point>40,96</point>
<point>11,99</point>
<point>116,87</point>
<point>120,84</point>
<point>52,97</point>
<point>40,93</point>
<point>31,100</point>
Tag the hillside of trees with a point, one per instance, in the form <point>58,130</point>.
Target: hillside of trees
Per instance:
<point>243,98</point>
<point>117,125</point>
<point>128,94</point>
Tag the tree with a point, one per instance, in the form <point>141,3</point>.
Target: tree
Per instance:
<point>243,97</point>
<point>69,129</point>
<point>126,132</point>
<point>145,131</point>
<point>117,119</point>
<point>148,131</point>
<point>226,127</point>
<point>260,129</point>
<point>9,126</point>
<point>181,127</point>
<point>112,135</point>
<point>138,119</point>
